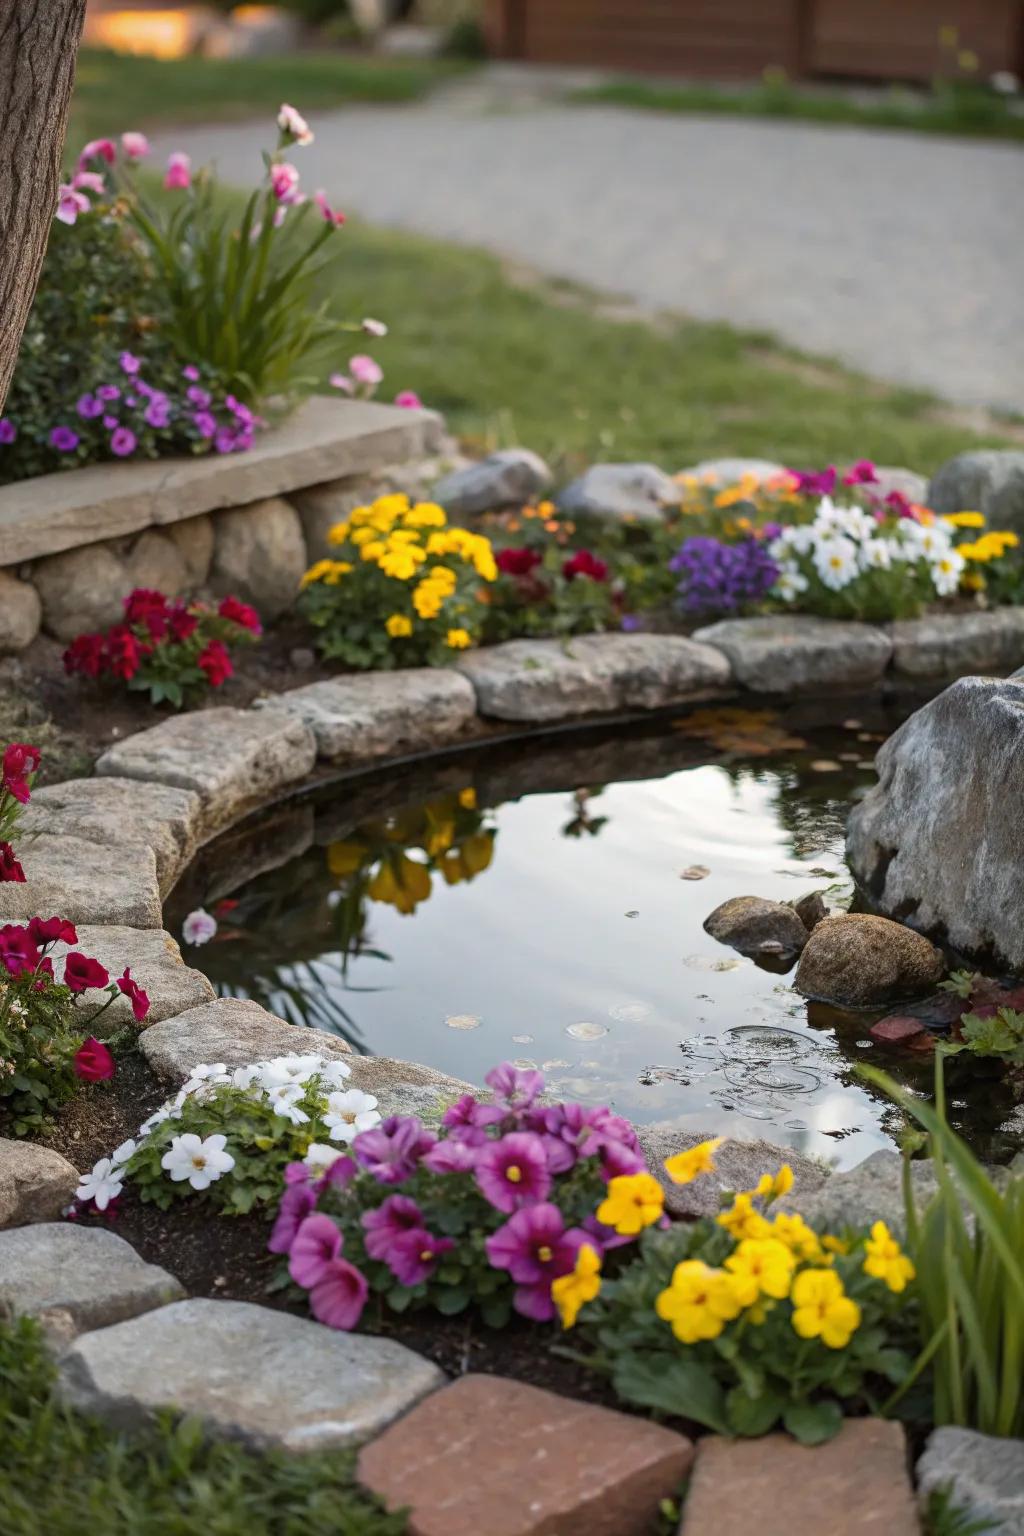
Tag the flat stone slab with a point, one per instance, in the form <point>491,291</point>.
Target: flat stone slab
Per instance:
<point>233,759</point>
<point>407,1087</point>
<point>246,1373</point>
<point>233,1030</point>
<point>74,1278</point>
<point>120,813</point>
<point>155,963</point>
<point>793,655</point>
<point>738,1165</point>
<point>497,1456</point>
<point>36,1183</point>
<point>854,1485</point>
<point>550,679</point>
<point>84,882</point>
<point>380,714</point>
<point>956,644</point>
<point>986,1475</point>
<point>323,440</point>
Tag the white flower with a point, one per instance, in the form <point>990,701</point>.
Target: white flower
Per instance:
<point>798,538</point>
<point>102,1185</point>
<point>285,1100</point>
<point>931,540</point>
<point>334,1073</point>
<point>1005,82</point>
<point>244,1077</point>
<point>946,572</point>
<point>852,522</point>
<point>374,327</point>
<point>165,1112</point>
<point>289,1069</point>
<point>835,561</point>
<point>320,1155</point>
<point>876,555</point>
<point>200,1161</point>
<point>349,1113</point>
<point>122,1153</point>
<point>789,585</point>
<point>199,927</point>
<point>292,122</point>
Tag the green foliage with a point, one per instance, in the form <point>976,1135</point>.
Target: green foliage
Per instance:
<point>39,1035</point>
<point>65,1473</point>
<point>968,1246</point>
<point>944,1517</point>
<point>1001,1035</point>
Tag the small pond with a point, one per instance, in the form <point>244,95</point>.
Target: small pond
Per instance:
<point>543,902</point>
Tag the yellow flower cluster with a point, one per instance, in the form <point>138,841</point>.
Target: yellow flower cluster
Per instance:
<point>329,572</point>
<point>991,546</point>
<point>570,1292</point>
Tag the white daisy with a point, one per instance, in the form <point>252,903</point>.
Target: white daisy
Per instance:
<point>835,560</point>
<point>284,1097</point>
<point>289,1069</point>
<point>946,571</point>
<point>789,585</point>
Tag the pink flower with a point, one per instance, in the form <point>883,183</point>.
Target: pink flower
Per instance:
<point>131,989</point>
<point>535,1248</point>
<point>316,1243</point>
<point>88,181</point>
<point>513,1172</point>
<point>409,400</point>
<point>393,1217</point>
<point>297,1202</point>
<point>82,972</point>
<point>861,473</point>
<point>179,172</point>
<point>17,949</point>
<point>284,181</point>
<point>130,364</point>
<point>364,370</point>
<point>413,1255</point>
<point>240,613</point>
<point>70,204</point>
<point>10,869</point>
<point>341,381</point>
<point>135,145</point>
<point>52,930</point>
<point>338,1299</point>
<point>105,148</point>
<point>122,442</point>
<point>294,125</point>
<point>332,215</point>
<point>93,1063</point>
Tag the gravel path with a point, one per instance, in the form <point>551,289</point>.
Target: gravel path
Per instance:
<point>898,253</point>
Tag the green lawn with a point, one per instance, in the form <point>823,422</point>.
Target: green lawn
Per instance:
<point>64,1474</point>
<point>961,109</point>
<point>115,91</point>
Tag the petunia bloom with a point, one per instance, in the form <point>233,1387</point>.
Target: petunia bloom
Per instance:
<point>413,1256</point>
<point>293,125</point>
<point>82,972</point>
<point>332,215</point>
<point>179,172</point>
<point>64,439</point>
<point>392,1150</point>
<point>392,1218</point>
<point>93,1063</point>
<point>409,400</point>
<point>338,1299</point>
<point>514,1087</point>
<point>297,1202</point>
<point>135,145</point>
<point>52,930</point>
<point>535,1247</point>
<point>240,613</point>
<point>135,995</point>
<point>18,951</point>
<point>513,1172</point>
<point>123,442</point>
<point>18,762</point>
<point>315,1244</point>
<point>10,869</point>
<point>105,149</point>
<point>199,927</point>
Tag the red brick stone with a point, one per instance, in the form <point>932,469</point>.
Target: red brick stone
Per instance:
<point>855,1485</point>
<point>897,1029</point>
<point>492,1457</point>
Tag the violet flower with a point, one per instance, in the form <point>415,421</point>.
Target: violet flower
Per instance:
<point>316,1243</point>
<point>468,1113</point>
<point>8,431</point>
<point>393,1217</point>
<point>337,1300</point>
<point>413,1255</point>
<point>123,442</point>
<point>64,439</point>
<point>535,1248</point>
<point>297,1202</point>
<point>454,1155</point>
<point>514,1087</point>
<point>392,1150</point>
<point>513,1172</point>
<point>719,577</point>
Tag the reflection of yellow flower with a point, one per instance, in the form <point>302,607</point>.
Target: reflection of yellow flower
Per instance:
<point>345,858</point>
<point>822,1310</point>
<point>699,1302</point>
<point>402,884</point>
<point>885,1259</point>
<point>570,1292</point>
<point>761,1267</point>
<point>398,624</point>
<point>440,838</point>
<point>633,1201</point>
<point>741,1220</point>
<point>467,798</point>
<point>477,852</point>
<point>458,639</point>
<point>684,1167</point>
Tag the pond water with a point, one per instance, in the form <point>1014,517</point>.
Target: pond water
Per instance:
<point>544,904</point>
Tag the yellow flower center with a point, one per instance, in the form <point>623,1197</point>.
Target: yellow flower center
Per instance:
<point>514,1173</point>
<point>544,1254</point>
<point>425,1255</point>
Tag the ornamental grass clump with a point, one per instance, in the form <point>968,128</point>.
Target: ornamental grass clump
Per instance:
<point>746,1320</point>
<point>405,589</point>
<point>173,650</point>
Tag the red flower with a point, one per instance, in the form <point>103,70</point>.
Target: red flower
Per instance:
<point>17,951</point>
<point>85,655</point>
<point>216,663</point>
<point>52,930</point>
<point>93,1062</point>
<point>241,613</point>
<point>19,761</point>
<point>123,652</point>
<point>80,972</point>
<point>132,990</point>
<point>583,563</point>
<point>517,562</point>
<point>10,869</point>
<point>182,622</point>
<point>148,608</point>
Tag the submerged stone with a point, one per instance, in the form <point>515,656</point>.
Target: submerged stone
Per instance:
<point>754,926</point>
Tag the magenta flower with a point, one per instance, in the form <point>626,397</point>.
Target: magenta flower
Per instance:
<point>364,369</point>
<point>104,148</point>
<point>224,440</point>
<point>468,1113</point>
<point>88,181</point>
<point>341,1173</point>
<point>513,1172</point>
<point>338,1299</point>
<point>130,364</point>
<point>88,406</point>
<point>179,172</point>
<point>284,182</point>
<point>157,413</point>
<point>111,423</point>
<point>205,424</point>
<point>64,439</point>
<point>315,1245</point>
<point>122,442</point>
<point>413,1255</point>
<point>297,1202</point>
<point>813,483</point>
<point>514,1087</point>
<point>409,400</point>
<point>332,215</point>
<point>190,371</point>
<point>535,1248</point>
<point>70,204</point>
<point>135,145</point>
<point>455,1155</point>
<point>108,392</point>
<point>617,1160</point>
<point>8,431</point>
<point>394,1216</point>
<point>861,473</point>
<point>198,397</point>
<point>392,1150</point>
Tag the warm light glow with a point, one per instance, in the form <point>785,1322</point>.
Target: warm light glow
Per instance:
<point>161,34</point>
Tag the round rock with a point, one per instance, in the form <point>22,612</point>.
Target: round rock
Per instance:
<point>754,925</point>
<point>861,961</point>
<point>20,614</point>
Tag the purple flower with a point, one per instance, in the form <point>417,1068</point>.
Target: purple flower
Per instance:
<point>455,1155</point>
<point>297,1202</point>
<point>131,400</point>
<point>205,424</point>
<point>393,1217</point>
<point>514,1087</point>
<point>8,431</point>
<point>535,1248</point>
<point>197,396</point>
<point>224,440</point>
<point>111,423</point>
<point>341,1173</point>
<point>815,483</point>
<point>513,1172</point>
<point>157,413</point>
<point>316,1243</point>
<point>109,392</point>
<point>122,442</point>
<point>900,504</point>
<point>468,1113</point>
<point>64,439</point>
<point>861,473</point>
<point>721,577</point>
<point>392,1150</point>
<point>338,1299</point>
<point>129,363</point>
<point>618,1160</point>
<point>413,1255</point>
<point>88,407</point>
<point>630,623</point>
<point>190,371</point>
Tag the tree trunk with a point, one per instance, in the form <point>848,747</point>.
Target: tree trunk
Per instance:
<point>38,45</point>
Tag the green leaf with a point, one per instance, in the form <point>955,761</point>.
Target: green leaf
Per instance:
<point>684,1388</point>
<point>813,1423</point>
<point>451,1300</point>
<point>749,1415</point>
<point>398,1298</point>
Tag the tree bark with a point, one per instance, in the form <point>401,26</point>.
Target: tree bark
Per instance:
<point>38,47</point>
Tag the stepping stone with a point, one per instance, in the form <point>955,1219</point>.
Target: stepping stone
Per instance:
<point>233,1030</point>
<point>956,644</point>
<point>84,882</point>
<point>247,1373</point>
<point>550,679</point>
<point>155,962</point>
<point>738,1165</point>
<point>36,1183</point>
<point>380,714</point>
<point>118,812</point>
<point>496,1456</point>
<point>74,1278</point>
<point>790,655</point>
<point>986,1477</point>
<point>855,1485</point>
<point>233,759</point>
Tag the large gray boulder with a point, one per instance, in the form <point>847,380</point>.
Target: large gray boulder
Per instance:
<point>738,1164</point>
<point>504,479</point>
<point>986,480</point>
<point>985,1476</point>
<point>940,839</point>
<point>259,555</point>
<point>620,491</point>
<point>861,961</point>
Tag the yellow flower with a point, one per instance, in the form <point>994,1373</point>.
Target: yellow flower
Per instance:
<point>684,1167</point>
<point>742,1221</point>
<point>570,1292</point>
<point>834,1244</point>
<point>345,858</point>
<point>761,1267</point>
<point>458,639</point>
<point>885,1259</point>
<point>361,536</point>
<point>773,1186</point>
<point>467,798</point>
<point>633,1201</point>
<point>444,576</point>
<point>974,581</point>
<point>397,625</point>
<point>440,838</point>
<point>699,1302</point>
<point>425,514</point>
<point>964,519</point>
<point>400,563</point>
<point>316,572</point>
<point>400,536</point>
<point>428,599</point>
<point>338,569</point>
<point>822,1310</point>
<point>339,533</point>
<point>374,549</point>
<point>797,1235</point>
